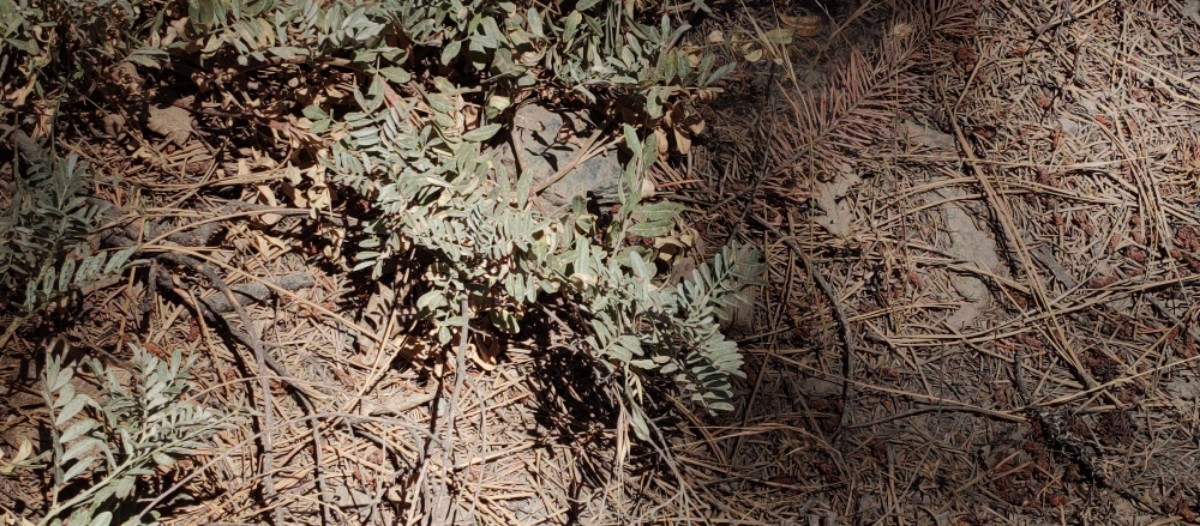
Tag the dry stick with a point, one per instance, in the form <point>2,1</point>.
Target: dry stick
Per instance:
<point>733,234</point>
<point>1016,247</point>
<point>1053,424</point>
<point>935,403</point>
<point>664,451</point>
<point>325,311</point>
<point>1167,88</point>
<point>439,497</point>
<point>702,429</point>
<point>239,209</point>
<point>589,150</point>
<point>480,447</point>
<point>1003,330</point>
<point>1149,199</point>
<point>255,345</point>
<point>187,260</point>
<point>247,293</point>
<point>460,376</point>
<point>1068,17</point>
<point>380,367</point>
<point>762,173</point>
<point>318,455</point>
<point>838,313</point>
<point>1042,256</point>
<point>265,361</point>
<point>937,408</point>
<point>300,393</point>
<point>1061,16</point>
<point>377,338</point>
<point>350,419</point>
<point>1123,380</point>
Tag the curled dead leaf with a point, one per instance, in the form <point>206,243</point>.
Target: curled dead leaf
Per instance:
<point>900,30</point>
<point>266,196</point>
<point>294,194</point>
<point>582,280</point>
<point>172,122</point>
<point>807,26</point>
<point>683,141</point>
<point>114,124</point>
<point>779,35</point>
<point>487,353</point>
<point>662,143</point>
<point>648,188</point>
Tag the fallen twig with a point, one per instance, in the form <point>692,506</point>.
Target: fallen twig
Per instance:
<point>839,314</point>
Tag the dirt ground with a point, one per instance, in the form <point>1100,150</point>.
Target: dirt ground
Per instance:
<point>982,220</point>
<point>983,239</point>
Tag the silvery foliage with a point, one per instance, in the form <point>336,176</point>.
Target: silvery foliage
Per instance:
<point>438,192</point>
<point>422,162</point>
<point>104,445</point>
<point>424,166</point>
<point>44,236</point>
<point>502,257</point>
<point>592,49</point>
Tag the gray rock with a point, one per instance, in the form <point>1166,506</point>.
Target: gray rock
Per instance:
<point>543,151</point>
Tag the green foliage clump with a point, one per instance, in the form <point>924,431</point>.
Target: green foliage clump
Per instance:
<point>439,79</point>
<point>46,50</point>
<point>104,445</point>
<point>439,190</point>
<point>403,101</point>
<point>44,236</point>
<point>50,49</point>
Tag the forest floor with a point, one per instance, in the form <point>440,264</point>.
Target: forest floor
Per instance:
<point>982,227</point>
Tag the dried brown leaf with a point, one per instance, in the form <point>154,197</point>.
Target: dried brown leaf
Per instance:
<point>172,122</point>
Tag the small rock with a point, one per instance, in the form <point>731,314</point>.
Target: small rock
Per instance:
<point>543,152</point>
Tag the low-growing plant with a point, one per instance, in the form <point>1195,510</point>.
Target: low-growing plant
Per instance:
<point>438,191</point>
<point>105,446</point>
<point>46,251</point>
<point>403,102</point>
<point>416,142</point>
